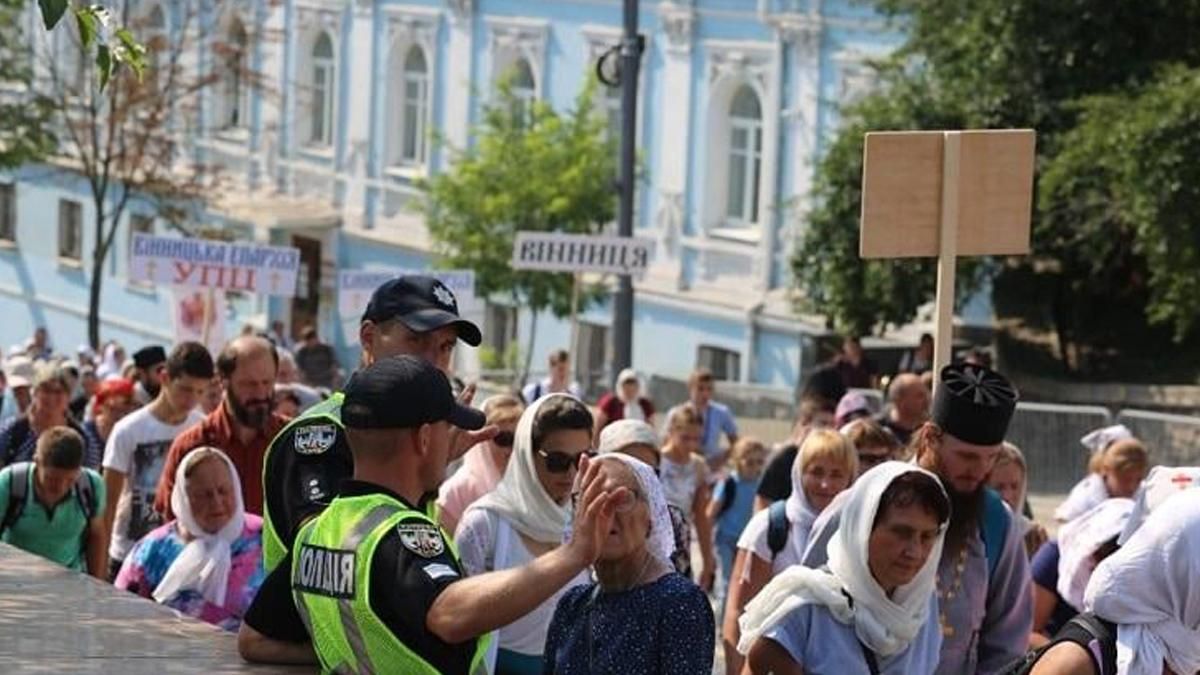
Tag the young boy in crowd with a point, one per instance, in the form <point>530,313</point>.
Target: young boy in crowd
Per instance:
<point>733,500</point>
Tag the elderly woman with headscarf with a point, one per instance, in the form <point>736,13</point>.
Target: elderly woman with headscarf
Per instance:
<point>484,464</point>
<point>207,563</point>
<point>639,617</point>
<point>525,515</point>
<point>1062,568</point>
<point>775,537</point>
<point>624,402</point>
<point>1143,604</point>
<point>873,608</point>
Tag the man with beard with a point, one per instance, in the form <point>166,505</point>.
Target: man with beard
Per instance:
<point>148,363</point>
<point>983,579</point>
<point>415,315</point>
<point>241,427</point>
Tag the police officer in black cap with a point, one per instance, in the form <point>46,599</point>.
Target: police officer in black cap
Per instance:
<point>372,581</point>
<point>415,315</point>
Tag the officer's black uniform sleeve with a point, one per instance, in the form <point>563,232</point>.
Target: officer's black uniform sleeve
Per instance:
<point>301,476</point>
<point>273,612</point>
<point>411,567</point>
<point>776,481</point>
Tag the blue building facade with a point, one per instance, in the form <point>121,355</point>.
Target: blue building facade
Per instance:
<point>736,97</point>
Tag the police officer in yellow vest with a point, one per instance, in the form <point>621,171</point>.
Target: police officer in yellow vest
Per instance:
<point>372,579</point>
<point>305,463</point>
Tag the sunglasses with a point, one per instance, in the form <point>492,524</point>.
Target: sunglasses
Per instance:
<point>561,462</point>
<point>504,439</point>
<point>872,460</point>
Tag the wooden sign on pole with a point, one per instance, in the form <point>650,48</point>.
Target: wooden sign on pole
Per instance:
<point>946,194</point>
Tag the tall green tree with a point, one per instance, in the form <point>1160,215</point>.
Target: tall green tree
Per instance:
<point>530,167</point>
<point>1104,84</point>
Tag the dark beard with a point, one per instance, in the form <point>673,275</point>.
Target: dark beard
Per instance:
<point>251,418</point>
<point>965,508</point>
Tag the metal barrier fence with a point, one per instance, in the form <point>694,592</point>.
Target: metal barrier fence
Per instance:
<point>1173,440</point>
<point>1048,434</point>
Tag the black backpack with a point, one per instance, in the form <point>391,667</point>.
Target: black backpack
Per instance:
<point>778,527</point>
<point>18,490</point>
<point>1093,629</point>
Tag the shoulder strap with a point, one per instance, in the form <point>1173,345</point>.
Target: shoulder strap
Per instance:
<point>17,490</point>
<point>994,522</point>
<point>728,493</point>
<point>778,527</point>
<point>86,495</point>
<point>869,656</point>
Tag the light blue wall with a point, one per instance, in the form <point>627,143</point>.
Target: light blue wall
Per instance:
<point>777,361</point>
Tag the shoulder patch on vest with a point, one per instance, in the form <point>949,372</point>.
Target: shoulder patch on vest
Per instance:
<point>421,538</point>
<point>315,439</point>
<point>325,571</point>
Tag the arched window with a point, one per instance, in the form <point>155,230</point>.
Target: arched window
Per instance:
<point>524,89</point>
<point>323,88</point>
<point>745,156</point>
<point>411,106</point>
<point>235,94</point>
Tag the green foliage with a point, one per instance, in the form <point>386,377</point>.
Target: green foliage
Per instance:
<point>1110,88</point>
<point>115,46</point>
<point>530,168</point>
<point>25,130</point>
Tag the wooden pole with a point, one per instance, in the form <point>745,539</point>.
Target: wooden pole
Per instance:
<point>574,326</point>
<point>947,253</point>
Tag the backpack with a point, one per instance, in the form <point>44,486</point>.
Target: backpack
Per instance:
<point>19,484</point>
<point>778,526</point>
<point>1093,628</point>
<point>728,494</point>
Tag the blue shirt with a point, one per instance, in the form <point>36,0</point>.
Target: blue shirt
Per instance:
<point>732,520</point>
<point>1044,570</point>
<point>822,645</point>
<point>665,627</point>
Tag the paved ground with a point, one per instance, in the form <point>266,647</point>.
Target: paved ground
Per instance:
<point>56,621</point>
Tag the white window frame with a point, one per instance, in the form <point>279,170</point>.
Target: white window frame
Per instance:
<point>235,91</point>
<point>511,39</point>
<point>328,100</point>
<point>8,214</point>
<point>525,94</point>
<point>404,111</point>
<point>70,217</point>
<point>705,358</point>
<point>749,214</point>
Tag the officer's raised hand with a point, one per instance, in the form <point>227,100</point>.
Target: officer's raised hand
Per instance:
<point>462,440</point>
<point>595,509</point>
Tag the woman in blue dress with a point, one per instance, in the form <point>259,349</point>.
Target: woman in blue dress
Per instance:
<point>640,617</point>
<point>873,609</point>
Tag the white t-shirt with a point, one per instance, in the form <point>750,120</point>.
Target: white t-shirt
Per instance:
<point>754,539</point>
<point>680,481</point>
<point>486,542</point>
<point>137,447</point>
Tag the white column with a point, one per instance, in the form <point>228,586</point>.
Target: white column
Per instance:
<point>800,120</point>
<point>270,68</point>
<point>359,79</point>
<point>457,76</point>
<point>676,111</point>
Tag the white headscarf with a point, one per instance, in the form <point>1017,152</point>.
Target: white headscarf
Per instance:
<point>662,535</point>
<point>800,513</point>
<point>519,497</point>
<point>1079,540</point>
<point>1160,484</point>
<point>885,625</point>
<point>1151,589</point>
<point>1086,494</point>
<point>1100,439</point>
<point>109,366</point>
<point>205,562</point>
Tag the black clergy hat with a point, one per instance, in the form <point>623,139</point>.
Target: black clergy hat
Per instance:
<point>148,357</point>
<point>974,404</point>
<point>404,392</point>
<point>421,303</point>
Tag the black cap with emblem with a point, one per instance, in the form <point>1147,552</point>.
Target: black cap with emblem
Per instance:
<point>421,303</point>
<point>974,404</point>
<point>148,357</point>
<point>404,392</point>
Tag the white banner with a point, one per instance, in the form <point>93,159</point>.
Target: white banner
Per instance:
<point>558,252</point>
<point>201,263</point>
<point>199,316</point>
<point>355,288</point>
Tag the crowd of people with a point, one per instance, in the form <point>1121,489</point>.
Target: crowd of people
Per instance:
<point>390,526</point>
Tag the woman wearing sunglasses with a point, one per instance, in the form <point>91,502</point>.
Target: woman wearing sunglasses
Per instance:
<point>483,465</point>
<point>640,617</point>
<point>525,516</point>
